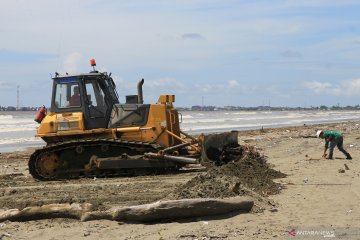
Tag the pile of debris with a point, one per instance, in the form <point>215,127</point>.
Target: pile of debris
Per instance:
<point>236,172</point>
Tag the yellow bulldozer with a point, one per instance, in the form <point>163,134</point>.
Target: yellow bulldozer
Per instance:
<point>89,133</point>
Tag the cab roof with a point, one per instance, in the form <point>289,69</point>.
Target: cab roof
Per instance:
<point>90,74</point>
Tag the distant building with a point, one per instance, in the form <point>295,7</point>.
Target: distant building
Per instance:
<point>10,108</point>
<point>202,108</point>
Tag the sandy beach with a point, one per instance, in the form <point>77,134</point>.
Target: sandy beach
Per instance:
<point>318,197</point>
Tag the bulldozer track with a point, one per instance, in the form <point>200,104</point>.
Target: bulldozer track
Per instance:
<point>66,160</point>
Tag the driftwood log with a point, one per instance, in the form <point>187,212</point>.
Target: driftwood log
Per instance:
<point>161,210</point>
<point>48,211</point>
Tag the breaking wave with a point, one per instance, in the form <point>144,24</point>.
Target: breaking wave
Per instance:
<point>19,140</point>
<point>6,117</point>
<point>223,121</point>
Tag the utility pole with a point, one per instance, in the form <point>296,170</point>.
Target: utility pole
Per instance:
<point>202,103</point>
<point>17,97</point>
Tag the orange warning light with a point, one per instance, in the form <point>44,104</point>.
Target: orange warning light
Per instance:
<point>92,62</point>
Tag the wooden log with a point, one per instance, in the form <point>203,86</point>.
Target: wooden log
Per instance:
<point>97,215</point>
<point>184,208</point>
<point>8,214</point>
<point>45,212</point>
<point>161,210</point>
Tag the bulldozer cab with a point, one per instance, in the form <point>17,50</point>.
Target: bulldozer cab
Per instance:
<point>92,94</point>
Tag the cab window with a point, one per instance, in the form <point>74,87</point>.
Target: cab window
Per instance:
<point>95,99</point>
<point>67,95</point>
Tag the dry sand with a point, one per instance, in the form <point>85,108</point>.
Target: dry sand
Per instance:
<point>315,196</point>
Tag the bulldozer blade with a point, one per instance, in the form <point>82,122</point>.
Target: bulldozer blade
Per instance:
<point>214,144</point>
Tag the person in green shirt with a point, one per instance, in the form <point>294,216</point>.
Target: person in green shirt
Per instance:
<point>333,139</point>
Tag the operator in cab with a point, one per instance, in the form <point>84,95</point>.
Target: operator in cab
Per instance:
<point>75,98</point>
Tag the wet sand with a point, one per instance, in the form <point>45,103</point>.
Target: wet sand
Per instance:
<point>317,195</point>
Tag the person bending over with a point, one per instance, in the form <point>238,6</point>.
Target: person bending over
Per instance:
<point>333,139</point>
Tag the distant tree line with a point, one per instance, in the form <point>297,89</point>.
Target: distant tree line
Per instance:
<point>11,108</point>
<point>266,108</point>
<point>225,108</point>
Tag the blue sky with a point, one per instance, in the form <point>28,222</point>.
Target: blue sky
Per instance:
<point>244,53</point>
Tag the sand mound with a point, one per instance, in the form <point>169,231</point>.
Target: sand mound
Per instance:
<point>236,172</point>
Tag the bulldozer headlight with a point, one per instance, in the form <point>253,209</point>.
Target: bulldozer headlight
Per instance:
<point>63,126</point>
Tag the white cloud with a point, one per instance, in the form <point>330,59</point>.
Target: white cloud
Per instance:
<point>71,62</point>
<point>350,88</point>
<point>230,86</point>
<point>325,88</point>
<point>291,54</point>
<point>165,83</point>
<point>210,88</point>
<point>233,83</point>
<point>193,36</point>
<point>318,3</point>
<point>4,85</point>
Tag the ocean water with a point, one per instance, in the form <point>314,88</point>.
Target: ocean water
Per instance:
<point>17,129</point>
<point>207,122</point>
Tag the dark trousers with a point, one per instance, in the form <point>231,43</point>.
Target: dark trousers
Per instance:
<point>339,143</point>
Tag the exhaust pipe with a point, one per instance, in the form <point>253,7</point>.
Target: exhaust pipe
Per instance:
<point>140,92</point>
